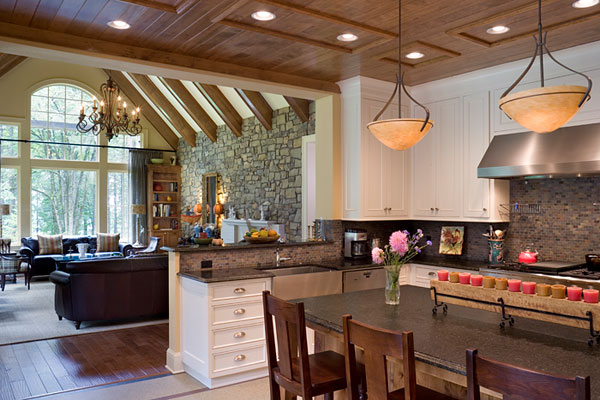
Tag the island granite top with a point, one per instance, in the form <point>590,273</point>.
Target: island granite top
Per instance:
<point>441,340</point>
<point>241,246</point>
<point>210,275</point>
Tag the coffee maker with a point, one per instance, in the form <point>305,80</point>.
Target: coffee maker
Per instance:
<point>356,244</point>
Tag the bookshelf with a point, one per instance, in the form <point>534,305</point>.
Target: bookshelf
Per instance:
<point>164,202</point>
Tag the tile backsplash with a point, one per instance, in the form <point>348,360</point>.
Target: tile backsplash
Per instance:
<point>568,225</point>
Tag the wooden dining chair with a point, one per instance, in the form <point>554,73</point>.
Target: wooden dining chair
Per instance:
<point>519,383</point>
<point>378,344</point>
<point>297,372</point>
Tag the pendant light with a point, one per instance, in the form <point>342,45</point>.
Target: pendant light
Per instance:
<point>544,109</point>
<point>400,133</point>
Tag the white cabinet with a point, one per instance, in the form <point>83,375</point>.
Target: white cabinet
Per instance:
<point>222,332</point>
<point>437,163</point>
<point>422,274</point>
<point>375,178</point>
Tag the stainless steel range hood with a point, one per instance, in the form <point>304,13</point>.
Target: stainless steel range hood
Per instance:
<point>573,151</point>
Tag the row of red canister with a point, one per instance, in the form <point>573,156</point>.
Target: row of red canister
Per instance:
<point>573,293</point>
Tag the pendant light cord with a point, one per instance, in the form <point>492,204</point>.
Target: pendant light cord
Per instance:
<point>541,42</point>
<point>399,77</point>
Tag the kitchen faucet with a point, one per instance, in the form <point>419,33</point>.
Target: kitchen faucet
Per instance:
<point>279,259</point>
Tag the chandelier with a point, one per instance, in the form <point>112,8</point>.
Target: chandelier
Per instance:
<point>544,109</point>
<point>400,133</point>
<point>110,116</point>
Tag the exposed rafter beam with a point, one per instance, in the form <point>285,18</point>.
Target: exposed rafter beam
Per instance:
<point>259,107</point>
<point>160,101</point>
<point>329,17</point>
<point>147,111</point>
<point>283,35</point>
<point>195,110</point>
<point>222,106</point>
<point>8,62</point>
<point>300,107</point>
<point>33,41</point>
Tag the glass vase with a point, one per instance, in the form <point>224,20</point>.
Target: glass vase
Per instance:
<point>392,287</point>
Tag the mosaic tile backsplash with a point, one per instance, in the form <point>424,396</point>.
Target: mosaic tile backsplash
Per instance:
<point>568,225</point>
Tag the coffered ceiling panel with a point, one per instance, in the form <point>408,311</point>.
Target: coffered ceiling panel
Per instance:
<point>300,45</point>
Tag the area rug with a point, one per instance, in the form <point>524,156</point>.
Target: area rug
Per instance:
<point>27,315</point>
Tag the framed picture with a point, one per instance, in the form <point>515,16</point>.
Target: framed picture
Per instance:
<point>452,239</point>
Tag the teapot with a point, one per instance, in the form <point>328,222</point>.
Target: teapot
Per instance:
<point>528,256</point>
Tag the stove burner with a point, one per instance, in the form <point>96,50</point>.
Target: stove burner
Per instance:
<point>582,273</point>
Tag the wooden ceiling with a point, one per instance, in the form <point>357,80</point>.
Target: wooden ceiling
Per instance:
<point>299,47</point>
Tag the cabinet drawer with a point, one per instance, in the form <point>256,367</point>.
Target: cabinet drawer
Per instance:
<point>238,289</point>
<point>238,335</point>
<point>238,359</point>
<point>223,314</point>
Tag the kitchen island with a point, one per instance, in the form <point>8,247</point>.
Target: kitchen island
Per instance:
<point>441,340</point>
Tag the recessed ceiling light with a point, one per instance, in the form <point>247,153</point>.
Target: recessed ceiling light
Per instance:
<point>414,55</point>
<point>498,30</point>
<point>263,15</point>
<point>347,37</point>
<point>585,3</point>
<point>118,24</point>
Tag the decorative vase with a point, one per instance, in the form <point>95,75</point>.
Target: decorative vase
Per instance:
<point>392,287</point>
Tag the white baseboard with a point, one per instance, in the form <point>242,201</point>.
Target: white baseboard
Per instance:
<point>226,380</point>
<point>174,362</point>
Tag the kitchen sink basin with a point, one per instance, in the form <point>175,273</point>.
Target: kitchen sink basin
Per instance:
<point>303,269</point>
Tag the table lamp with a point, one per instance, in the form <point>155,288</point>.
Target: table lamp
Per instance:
<point>137,210</point>
<point>4,210</point>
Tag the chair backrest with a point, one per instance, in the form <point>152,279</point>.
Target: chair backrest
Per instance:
<point>290,336</point>
<point>153,246</point>
<point>377,345</point>
<point>520,383</point>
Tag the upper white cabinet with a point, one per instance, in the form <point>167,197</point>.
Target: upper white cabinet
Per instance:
<point>376,178</point>
<point>437,162</point>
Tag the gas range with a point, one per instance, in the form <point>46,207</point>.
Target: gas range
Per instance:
<point>544,267</point>
<point>582,273</point>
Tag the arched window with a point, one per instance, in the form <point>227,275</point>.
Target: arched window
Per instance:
<point>63,198</point>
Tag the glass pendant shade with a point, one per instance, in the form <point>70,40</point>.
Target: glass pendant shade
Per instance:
<point>544,109</point>
<point>400,133</point>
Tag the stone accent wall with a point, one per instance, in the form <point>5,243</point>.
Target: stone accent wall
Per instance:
<point>260,168</point>
<point>568,226</point>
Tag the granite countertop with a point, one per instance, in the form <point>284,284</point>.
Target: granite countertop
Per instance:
<point>241,245</point>
<point>447,262</point>
<point>210,275</point>
<point>441,340</point>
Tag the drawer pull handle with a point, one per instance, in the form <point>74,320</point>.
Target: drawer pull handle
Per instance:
<point>239,290</point>
<point>432,274</point>
<point>239,311</point>
<point>238,335</point>
<point>239,357</point>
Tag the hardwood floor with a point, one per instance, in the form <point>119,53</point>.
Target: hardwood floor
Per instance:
<point>55,365</point>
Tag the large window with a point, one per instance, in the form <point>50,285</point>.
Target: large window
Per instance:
<point>8,195</point>
<point>9,131</point>
<point>54,114</point>
<point>63,201</point>
<point>119,208</point>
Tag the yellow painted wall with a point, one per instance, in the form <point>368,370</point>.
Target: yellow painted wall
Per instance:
<point>16,87</point>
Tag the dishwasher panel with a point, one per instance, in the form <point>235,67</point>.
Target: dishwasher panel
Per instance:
<point>364,280</point>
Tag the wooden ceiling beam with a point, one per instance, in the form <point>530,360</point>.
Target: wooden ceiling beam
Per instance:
<point>259,106</point>
<point>44,39</point>
<point>189,103</point>
<point>8,62</point>
<point>222,106</point>
<point>146,109</point>
<point>168,110</point>
<point>300,107</point>
<point>329,18</point>
<point>283,35</point>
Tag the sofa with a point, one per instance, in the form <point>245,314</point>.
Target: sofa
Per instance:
<point>44,264</point>
<point>112,289</point>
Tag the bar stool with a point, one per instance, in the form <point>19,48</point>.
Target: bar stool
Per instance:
<point>296,371</point>
<point>377,345</point>
<point>520,383</point>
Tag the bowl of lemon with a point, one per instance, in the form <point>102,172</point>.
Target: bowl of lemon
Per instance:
<point>263,235</point>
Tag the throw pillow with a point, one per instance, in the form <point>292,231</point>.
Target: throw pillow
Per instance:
<point>107,242</point>
<point>50,244</point>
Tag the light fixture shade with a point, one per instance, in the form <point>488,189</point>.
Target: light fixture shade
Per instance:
<point>138,209</point>
<point>4,209</point>
<point>399,133</point>
<point>543,109</point>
